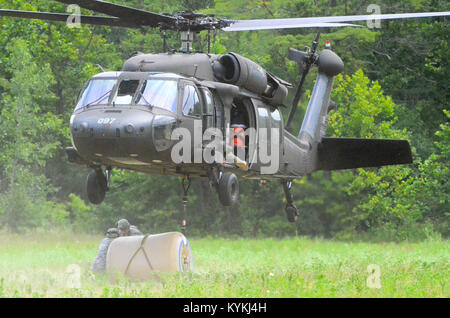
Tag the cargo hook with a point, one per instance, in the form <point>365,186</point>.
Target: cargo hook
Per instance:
<point>186,183</point>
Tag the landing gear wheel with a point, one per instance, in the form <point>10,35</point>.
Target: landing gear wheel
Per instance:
<point>291,213</point>
<point>96,187</point>
<point>228,189</point>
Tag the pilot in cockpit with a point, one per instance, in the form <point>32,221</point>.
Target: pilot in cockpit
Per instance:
<point>126,91</point>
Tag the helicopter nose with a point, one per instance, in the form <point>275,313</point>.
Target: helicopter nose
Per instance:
<point>162,129</point>
<point>123,137</point>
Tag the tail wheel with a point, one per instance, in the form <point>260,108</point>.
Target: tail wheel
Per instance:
<point>96,187</point>
<point>228,189</point>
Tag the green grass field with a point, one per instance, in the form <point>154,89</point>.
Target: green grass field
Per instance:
<point>35,265</point>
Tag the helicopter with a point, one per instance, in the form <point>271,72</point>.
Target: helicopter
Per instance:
<point>213,116</point>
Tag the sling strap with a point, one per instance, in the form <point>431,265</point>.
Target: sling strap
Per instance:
<point>141,248</point>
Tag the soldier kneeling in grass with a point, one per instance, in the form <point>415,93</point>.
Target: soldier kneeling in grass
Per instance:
<point>123,229</point>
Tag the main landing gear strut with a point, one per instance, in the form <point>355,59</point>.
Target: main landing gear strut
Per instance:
<point>97,184</point>
<point>291,210</point>
<point>226,184</point>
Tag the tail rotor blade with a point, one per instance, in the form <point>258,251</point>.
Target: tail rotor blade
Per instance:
<point>298,95</point>
<point>307,59</point>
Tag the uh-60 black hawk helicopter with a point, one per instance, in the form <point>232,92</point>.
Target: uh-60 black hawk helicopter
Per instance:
<point>127,119</point>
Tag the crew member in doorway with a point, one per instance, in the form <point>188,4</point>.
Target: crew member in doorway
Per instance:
<point>239,125</point>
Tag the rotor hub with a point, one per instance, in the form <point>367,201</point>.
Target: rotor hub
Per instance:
<point>187,21</point>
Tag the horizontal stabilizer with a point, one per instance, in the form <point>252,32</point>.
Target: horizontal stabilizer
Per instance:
<point>350,153</point>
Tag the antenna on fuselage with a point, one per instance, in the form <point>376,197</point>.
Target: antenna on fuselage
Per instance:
<point>100,67</point>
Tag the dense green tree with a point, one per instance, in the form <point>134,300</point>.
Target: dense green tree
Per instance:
<point>27,140</point>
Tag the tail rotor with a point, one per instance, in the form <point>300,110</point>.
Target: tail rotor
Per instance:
<point>305,60</point>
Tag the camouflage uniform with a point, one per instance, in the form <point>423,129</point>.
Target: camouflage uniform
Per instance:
<point>134,231</point>
<point>125,229</point>
<point>99,264</point>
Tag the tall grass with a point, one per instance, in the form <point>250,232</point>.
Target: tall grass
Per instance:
<point>36,265</point>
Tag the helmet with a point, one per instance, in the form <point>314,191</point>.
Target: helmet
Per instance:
<point>112,233</point>
<point>123,226</point>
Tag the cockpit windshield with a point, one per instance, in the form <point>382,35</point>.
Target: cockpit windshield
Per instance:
<point>159,93</point>
<point>162,93</point>
<point>97,92</point>
<point>126,91</point>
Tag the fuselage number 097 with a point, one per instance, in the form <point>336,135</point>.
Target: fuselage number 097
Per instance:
<point>106,120</point>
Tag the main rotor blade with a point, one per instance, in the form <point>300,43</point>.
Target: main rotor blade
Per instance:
<point>140,17</point>
<point>84,19</point>
<point>276,25</point>
<point>267,24</point>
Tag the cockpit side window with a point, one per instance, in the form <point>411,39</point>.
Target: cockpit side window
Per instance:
<point>210,111</point>
<point>97,92</point>
<point>191,103</point>
<point>125,93</point>
<point>159,93</point>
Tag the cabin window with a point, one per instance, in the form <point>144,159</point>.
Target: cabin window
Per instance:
<point>219,112</point>
<point>264,120</point>
<point>276,116</point>
<point>209,108</point>
<point>263,114</point>
<point>159,93</point>
<point>126,91</point>
<point>276,121</point>
<point>191,102</point>
<point>97,92</point>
